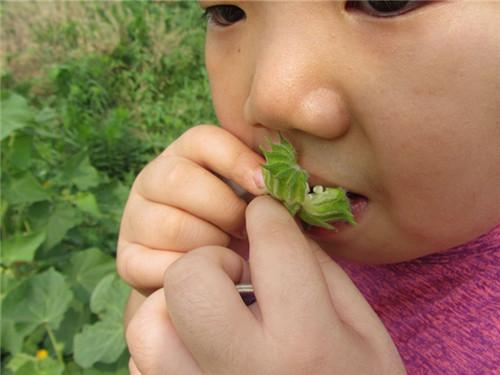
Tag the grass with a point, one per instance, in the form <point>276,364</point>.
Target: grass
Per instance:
<point>90,92</point>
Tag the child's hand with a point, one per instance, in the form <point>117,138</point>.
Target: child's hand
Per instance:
<point>177,203</point>
<point>309,317</point>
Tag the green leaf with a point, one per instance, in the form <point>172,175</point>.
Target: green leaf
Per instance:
<point>24,364</point>
<point>22,248</point>
<point>20,360</point>
<point>79,171</point>
<point>87,203</point>
<point>22,149</point>
<point>323,206</point>
<point>15,114</point>
<point>63,218</point>
<point>87,268</point>
<point>41,299</point>
<point>104,340</point>
<point>76,316</point>
<point>286,181</point>
<point>24,190</point>
<point>100,342</point>
<point>109,298</point>
<point>12,338</point>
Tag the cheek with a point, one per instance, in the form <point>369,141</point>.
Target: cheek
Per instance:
<point>439,180</point>
<point>229,72</point>
<point>437,145</point>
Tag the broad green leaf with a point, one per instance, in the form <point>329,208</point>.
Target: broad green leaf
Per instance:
<point>21,151</point>
<point>24,364</point>
<point>79,171</point>
<point>12,338</point>
<point>87,268</point>
<point>119,367</point>
<point>22,248</point>
<point>104,340</point>
<point>9,281</point>
<point>109,298</point>
<point>41,299</point>
<point>87,203</point>
<point>286,181</point>
<point>18,361</point>
<point>25,189</point>
<point>62,218</point>
<point>15,114</point>
<point>99,342</point>
<point>326,205</point>
<point>74,319</point>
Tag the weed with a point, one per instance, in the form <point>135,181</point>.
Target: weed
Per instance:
<point>90,92</point>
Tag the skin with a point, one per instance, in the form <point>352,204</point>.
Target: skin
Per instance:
<point>403,110</point>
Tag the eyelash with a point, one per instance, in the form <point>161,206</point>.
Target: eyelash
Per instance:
<point>227,15</point>
<point>368,7</point>
<point>215,15</point>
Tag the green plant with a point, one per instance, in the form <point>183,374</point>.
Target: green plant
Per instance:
<point>286,181</point>
<point>93,92</point>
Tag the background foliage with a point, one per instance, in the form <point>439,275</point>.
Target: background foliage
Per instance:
<point>91,91</point>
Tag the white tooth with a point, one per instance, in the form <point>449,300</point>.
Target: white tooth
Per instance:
<point>318,189</point>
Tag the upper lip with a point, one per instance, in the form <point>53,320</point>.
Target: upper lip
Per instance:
<point>314,180</point>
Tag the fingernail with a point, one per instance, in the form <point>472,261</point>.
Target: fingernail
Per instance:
<point>259,179</point>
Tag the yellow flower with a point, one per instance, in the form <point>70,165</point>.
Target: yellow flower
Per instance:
<point>41,354</point>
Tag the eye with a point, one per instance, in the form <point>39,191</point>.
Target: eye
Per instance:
<point>385,8</point>
<point>223,15</point>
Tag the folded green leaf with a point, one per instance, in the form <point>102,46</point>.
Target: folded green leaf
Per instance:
<point>286,181</point>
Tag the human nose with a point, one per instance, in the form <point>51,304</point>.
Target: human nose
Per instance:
<point>294,87</point>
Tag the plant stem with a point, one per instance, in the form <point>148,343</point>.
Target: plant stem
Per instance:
<point>53,341</point>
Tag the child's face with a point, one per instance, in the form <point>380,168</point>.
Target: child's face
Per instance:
<point>404,110</point>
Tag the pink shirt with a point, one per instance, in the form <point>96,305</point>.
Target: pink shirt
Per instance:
<point>442,310</point>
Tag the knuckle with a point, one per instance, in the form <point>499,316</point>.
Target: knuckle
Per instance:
<point>125,265</point>
<point>121,264</point>
<point>177,172</point>
<point>199,133</point>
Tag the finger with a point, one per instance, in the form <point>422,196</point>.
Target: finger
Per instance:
<point>179,182</point>
<point>141,267</point>
<point>153,342</point>
<point>207,311</point>
<point>133,368</point>
<point>158,226</point>
<point>288,281</point>
<point>134,302</point>
<point>350,305</point>
<point>223,153</point>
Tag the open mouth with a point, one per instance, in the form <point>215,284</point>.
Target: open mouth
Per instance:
<point>358,203</point>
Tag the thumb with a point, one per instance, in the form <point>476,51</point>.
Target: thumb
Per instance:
<point>350,305</point>
<point>285,272</point>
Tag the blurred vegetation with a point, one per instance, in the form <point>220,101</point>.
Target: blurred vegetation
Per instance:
<point>90,92</point>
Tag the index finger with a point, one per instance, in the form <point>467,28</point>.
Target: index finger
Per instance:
<point>288,280</point>
<point>223,153</point>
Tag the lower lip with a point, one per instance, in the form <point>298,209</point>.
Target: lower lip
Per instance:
<point>358,207</point>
